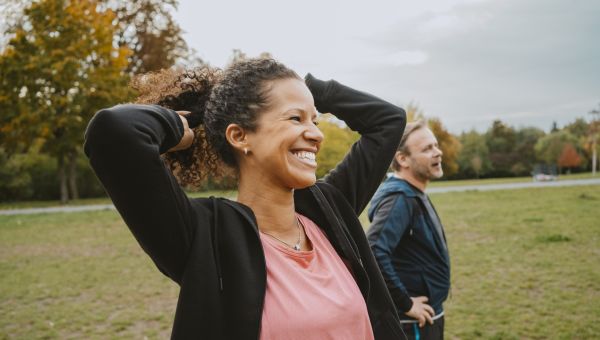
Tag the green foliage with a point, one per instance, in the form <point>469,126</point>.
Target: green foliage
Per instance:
<point>549,147</point>
<point>59,68</point>
<point>33,176</point>
<point>578,128</point>
<point>336,144</point>
<point>501,142</point>
<point>473,159</point>
<point>524,152</point>
<point>500,138</point>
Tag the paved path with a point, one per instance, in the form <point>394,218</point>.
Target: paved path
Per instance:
<point>484,187</point>
<point>57,209</point>
<point>522,185</point>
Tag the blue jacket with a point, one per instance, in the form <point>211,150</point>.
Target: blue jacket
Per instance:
<point>411,254</point>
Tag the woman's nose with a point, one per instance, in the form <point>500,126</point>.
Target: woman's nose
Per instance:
<point>314,133</point>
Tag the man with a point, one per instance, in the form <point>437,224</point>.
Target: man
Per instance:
<point>407,237</point>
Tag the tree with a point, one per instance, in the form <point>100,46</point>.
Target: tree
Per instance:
<point>568,157</point>
<point>501,142</point>
<point>593,139</point>
<point>148,29</point>
<point>413,112</point>
<point>337,142</point>
<point>550,147</point>
<point>523,155</point>
<point>59,67</point>
<point>578,128</point>
<point>473,159</point>
<point>239,55</point>
<point>449,145</point>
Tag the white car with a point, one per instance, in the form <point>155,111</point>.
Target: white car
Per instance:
<point>544,177</point>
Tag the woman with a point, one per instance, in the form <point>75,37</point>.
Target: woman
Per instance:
<point>288,259</point>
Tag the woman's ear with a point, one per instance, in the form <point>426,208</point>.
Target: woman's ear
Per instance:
<point>236,136</point>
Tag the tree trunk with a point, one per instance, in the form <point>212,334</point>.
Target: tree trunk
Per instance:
<point>594,156</point>
<point>72,175</point>
<point>62,178</point>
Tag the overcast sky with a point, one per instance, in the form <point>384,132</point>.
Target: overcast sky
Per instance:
<point>468,62</point>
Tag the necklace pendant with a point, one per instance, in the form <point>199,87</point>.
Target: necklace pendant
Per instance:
<point>297,247</point>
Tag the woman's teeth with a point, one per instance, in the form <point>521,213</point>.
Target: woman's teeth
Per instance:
<point>305,155</point>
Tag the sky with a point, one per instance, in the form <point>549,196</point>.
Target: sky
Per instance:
<point>467,62</point>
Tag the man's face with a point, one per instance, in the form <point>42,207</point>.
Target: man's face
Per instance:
<point>425,159</point>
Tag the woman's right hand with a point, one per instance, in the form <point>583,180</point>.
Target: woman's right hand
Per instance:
<point>188,134</point>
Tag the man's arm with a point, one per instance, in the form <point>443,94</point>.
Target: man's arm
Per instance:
<point>391,219</point>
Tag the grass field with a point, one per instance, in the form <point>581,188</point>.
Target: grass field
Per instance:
<point>525,265</point>
<point>232,193</point>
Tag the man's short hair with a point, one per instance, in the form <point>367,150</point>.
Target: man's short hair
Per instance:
<point>402,147</point>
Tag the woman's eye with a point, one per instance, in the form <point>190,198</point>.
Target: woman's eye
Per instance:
<point>315,122</point>
<point>296,118</point>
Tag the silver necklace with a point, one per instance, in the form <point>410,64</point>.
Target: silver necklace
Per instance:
<point>296,246</point>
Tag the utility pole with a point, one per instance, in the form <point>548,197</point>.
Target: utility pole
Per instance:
<point>594,130</point>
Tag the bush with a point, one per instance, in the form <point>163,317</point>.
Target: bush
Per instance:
<point>34,176</point>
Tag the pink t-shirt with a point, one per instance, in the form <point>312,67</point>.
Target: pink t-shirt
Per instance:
<point>311,295</point>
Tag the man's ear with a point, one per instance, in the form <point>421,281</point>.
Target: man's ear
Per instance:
<point>236,136</point>
<point>402,159</point>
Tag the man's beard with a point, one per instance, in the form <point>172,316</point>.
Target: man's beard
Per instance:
<point>425,173</point>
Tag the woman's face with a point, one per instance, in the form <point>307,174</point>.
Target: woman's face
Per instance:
<point>284,146</point>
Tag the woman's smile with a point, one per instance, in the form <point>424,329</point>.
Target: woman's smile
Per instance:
<point>306,157</point>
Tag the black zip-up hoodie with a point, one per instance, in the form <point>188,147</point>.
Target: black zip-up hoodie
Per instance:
<point>211,246</point>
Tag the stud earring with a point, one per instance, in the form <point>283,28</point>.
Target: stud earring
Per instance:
<point>246,151</point>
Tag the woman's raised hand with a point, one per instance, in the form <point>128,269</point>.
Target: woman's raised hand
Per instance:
<point>188,135</point>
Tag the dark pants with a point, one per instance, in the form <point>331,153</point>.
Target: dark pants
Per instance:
<point>428,332</point>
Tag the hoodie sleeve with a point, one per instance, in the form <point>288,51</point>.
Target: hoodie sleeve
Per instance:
<point>380,125</point>
<point>390,221</point>
<point>123,144</point>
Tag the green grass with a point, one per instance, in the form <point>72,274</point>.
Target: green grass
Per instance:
<point>524,266</point>
<point>524,263</point>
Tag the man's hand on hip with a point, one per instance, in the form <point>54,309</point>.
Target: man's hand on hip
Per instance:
<point>421,310</point>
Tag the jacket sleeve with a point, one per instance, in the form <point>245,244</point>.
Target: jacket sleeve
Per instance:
<point>380,125</point>
<point>123,144</point>
<point>391,220</point>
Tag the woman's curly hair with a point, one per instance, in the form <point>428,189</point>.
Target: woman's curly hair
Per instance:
<point>215,99</point>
